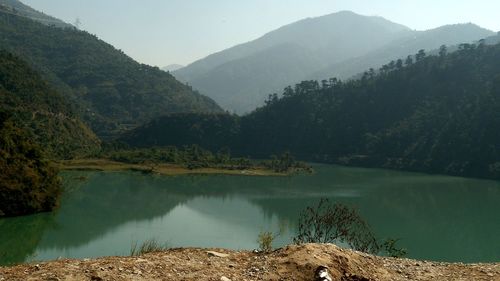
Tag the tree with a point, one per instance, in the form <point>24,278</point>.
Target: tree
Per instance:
<point>420,55</point>
<point>399,64</point>
<point>443,51</point>
<point>409,61</point>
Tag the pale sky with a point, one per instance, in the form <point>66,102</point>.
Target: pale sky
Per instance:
<point>163,32</point>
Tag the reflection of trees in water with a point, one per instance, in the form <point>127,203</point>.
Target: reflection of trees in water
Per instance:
<point>418,209</point>
<point>20,236</point>
<point>106,201</point>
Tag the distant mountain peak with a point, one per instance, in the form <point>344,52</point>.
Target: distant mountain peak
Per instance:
<point>172,67</point>
<point>340,44</point>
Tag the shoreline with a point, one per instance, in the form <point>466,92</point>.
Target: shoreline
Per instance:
<point>160,169</point>
<point>293,262</point>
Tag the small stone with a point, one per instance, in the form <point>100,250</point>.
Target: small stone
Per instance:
<point>224,278</point>
<point>37,267</point>
<point>217,254</point>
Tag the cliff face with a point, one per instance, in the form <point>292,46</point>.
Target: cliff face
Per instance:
<point>290,263</point>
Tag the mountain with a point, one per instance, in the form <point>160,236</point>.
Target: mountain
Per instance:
<point>241,77</point>
<point>110,90</point>
<point>41,112</point>
<point>436,114</point>
<point>429,40</point>
<point>172,67</point>
<point>18,8</point>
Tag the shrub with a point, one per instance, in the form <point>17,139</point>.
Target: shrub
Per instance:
<point>265,241</point>
<point>390,248</point>
<point>329,223</point>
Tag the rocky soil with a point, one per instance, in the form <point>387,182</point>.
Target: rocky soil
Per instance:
<point>289,263</point>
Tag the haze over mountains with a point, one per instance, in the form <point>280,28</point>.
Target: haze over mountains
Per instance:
<point>339,45</point>
<point>172,67</point>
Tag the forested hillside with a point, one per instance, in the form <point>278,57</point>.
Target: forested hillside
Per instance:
<point>43,113</point>
<point>111,90</point>
<point>434,114</point>
<point>28,183</point>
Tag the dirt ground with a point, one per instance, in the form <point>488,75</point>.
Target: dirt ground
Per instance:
<point>289,263</point>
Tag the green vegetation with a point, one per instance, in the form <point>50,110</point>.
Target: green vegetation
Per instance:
<point>36,108</point>
<point>110,90</point>
<point>34,116</point>
<point>28,184</point>
<point>285,163</point>
<point>265,240</point>
<point>195,157</point>
<point>149,246</point>
<point>210,131</point>
<point>436,114</point>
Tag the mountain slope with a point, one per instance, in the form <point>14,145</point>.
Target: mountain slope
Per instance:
<point>112,90</point>
<point>241,77</point>
<point>438,115</point>
<point>18,8</point>
<point>341,44</point>
<point>40,111</point>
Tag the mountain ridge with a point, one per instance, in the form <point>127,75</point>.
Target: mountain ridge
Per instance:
<point>333,40</point>
<point>21,9</point>
<point>112,91</point>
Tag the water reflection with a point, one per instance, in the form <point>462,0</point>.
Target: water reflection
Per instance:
<point>439,218</point>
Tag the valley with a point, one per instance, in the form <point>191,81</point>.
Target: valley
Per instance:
<point>117,169</point>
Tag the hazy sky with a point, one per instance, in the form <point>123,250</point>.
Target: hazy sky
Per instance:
<point>162,32</point>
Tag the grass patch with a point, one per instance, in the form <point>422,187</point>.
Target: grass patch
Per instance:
<point>148,246</point>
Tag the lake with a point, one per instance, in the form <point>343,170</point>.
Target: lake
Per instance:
<point>436,217</point>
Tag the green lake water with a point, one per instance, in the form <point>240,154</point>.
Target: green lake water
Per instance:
<point>436,217</point>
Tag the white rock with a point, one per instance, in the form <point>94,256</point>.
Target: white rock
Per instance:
<point>217,254</point>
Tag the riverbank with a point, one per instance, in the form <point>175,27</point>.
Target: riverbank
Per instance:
<point>161,169</point>
<point>290,263</point>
